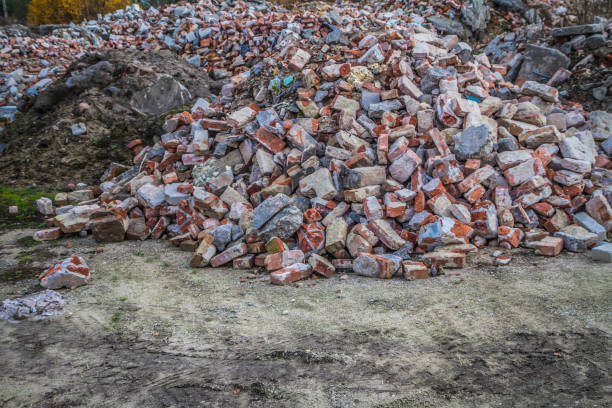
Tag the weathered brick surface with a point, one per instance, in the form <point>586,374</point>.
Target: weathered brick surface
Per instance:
<point>290,274</point>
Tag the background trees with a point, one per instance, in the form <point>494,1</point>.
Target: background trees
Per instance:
<point>64,11</point>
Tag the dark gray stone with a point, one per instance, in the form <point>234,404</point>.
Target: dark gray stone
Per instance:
<point>540,63</point>
<point>595,41</point>
<point>507,144</point>
<point>600,93</point>
<point>475,142</point>
<point>575,43</point>
<point>432,78</point>
<point>161,96</point>
<point>464,52</point>
<point>576,30</point>
<point>512,5</point>
<point>282,225</point>
<point>448,26</point>
<point>336,37</point>
<point>405,252</point>
<point>377,109</point>
<point>268,208</point>
<point>222,235</point>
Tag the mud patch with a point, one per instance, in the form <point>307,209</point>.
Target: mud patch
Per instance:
<point>19,273</point>
<point>520,369</point>
<point>529,368</point>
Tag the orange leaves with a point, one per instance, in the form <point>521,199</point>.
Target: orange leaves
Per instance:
<point>64,11</point>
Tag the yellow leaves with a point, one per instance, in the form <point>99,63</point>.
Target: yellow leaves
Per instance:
<point>112,5</point>
<point>76,9</point>
<point>45,12</point>
<point>64,11</point>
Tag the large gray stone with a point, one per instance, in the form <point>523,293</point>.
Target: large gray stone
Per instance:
<point>601,124</point>
<point>336,37</point>
<point>448,26</point>
<point>475,15</point>
<point>602,252</point>
<point>366,265</point>
<point>433,76</point>
<point>586,221</point>
<point>577,239</point>
<point>540,63</point>
<point>368,98</point>
<point>377,109</point>
<point>161,96</point>
<point>475,142</point>
<point>282,225</point>
<point>267,209</point>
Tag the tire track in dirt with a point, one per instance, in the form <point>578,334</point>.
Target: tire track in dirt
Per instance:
<point>525,368</point>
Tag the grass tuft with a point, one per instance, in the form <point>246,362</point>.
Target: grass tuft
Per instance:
<point>25,200</point>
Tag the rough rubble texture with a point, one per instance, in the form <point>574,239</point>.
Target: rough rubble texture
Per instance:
<point>366,138</point>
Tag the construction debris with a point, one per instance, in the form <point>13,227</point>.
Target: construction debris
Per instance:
<point>360,139</point>
<point>70,273</point>
<point>36,305</point>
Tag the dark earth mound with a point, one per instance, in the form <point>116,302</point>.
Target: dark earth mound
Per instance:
<point>119,95</point>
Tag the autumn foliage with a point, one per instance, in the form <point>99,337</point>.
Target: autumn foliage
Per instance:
<point>64,11</point>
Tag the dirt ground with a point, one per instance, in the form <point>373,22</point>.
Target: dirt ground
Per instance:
<point>151,332</point>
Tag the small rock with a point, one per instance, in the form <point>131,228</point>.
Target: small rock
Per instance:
<point>78,129</point>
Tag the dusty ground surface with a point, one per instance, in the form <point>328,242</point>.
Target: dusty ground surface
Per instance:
<point>151,332</point>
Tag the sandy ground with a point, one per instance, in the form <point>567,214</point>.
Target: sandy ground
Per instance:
<point>151,332</point>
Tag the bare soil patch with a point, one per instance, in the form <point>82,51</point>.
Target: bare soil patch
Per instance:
<point>150,331</point>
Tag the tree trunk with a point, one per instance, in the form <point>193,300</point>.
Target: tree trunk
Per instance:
<point>5,9</point>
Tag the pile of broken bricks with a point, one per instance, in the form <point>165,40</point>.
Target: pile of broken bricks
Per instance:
<point>29,64</point>
<point>385,152</point>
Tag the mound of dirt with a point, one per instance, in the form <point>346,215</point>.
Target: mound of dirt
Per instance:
<point>580,87</point>
<point>118,96</point>
<point>582,84</point>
